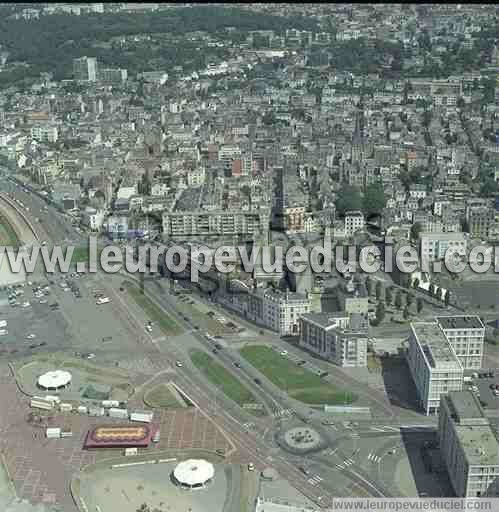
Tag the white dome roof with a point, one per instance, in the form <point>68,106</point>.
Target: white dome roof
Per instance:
<point>54,379</point>
<point>194,472</point>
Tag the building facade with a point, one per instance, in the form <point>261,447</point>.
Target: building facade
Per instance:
<point>179,225</point>
<point>468,446</point>
<point>85,69</point>
<point>466,335</point>
<point>433,246</point>
<point>434,366</point>
<point>354,221</point>
<point>340,338</point>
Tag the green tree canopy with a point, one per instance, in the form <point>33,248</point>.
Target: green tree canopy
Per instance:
<point>374,199</point>
<point>348,198</point>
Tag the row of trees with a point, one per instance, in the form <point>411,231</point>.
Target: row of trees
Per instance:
<point>386,297</point>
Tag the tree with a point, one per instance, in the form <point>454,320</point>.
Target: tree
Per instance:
<point>406,314</point>
<point>380,312</point>
<point>369,285</point>
<point>415,283</point>
<point>447,298</point>
<point>398,300</point>
<point>416,228</point>
<point>349,198</point>
<point>374,199</point>
<point>379,290</point>
<point>388,296</point>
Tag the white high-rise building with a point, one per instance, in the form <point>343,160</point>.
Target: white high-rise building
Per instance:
<point>466,334</point>
<point>85,69</point>
<point>434,365</point>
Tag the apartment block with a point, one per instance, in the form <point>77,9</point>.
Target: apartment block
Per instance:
<point>434,366</point>
<point>85,69</point>
<point>179,225</point>
<point>479,217</point>
<point>44,133</point>
<point>466,335</point>
<point>468,446</point>
<point>433,246</point>
<point>277,310</point>
<point>340,338</point>
<point>354,221</point>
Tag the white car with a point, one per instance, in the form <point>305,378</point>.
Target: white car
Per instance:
<point>43,301</point>
<point>91,356</point>
<point>179,364</point>
<point>251,467</point>
<point>31,336</point>
<point>284,353</point>
<point>148,328</point>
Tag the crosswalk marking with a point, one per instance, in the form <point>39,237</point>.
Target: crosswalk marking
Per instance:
<point>355,435</point>
<point>374,458</point>
<point>315,480</point>
<point>332,452</point>
<point>340,466</point>
<point>282,413</point>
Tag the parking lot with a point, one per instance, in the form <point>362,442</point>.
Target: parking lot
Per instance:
<point>482,386</point>
<point>26,325</point>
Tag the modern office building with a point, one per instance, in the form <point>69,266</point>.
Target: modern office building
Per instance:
<point>433,246</point>
<point>466,334</point>
<point>338,337</point>
<point>434,366</point>
<point>468,446</point>
<point>85,69</point>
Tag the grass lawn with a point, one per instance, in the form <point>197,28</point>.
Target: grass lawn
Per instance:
<point>223,379</point>
<point>166,323</point>
<point>161,397</point>
<point>82,254</point>
<point>299,383</point>
<point>8,236</point>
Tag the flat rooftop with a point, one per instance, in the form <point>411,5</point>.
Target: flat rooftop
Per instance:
<point>479,444</point>
<point>435,345</point>
<point>325,320</point>
<point>465,405</point>
<point>460,322</point>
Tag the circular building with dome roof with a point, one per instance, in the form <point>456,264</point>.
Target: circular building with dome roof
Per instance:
<point>54,380</point>
<point>193,474</point>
